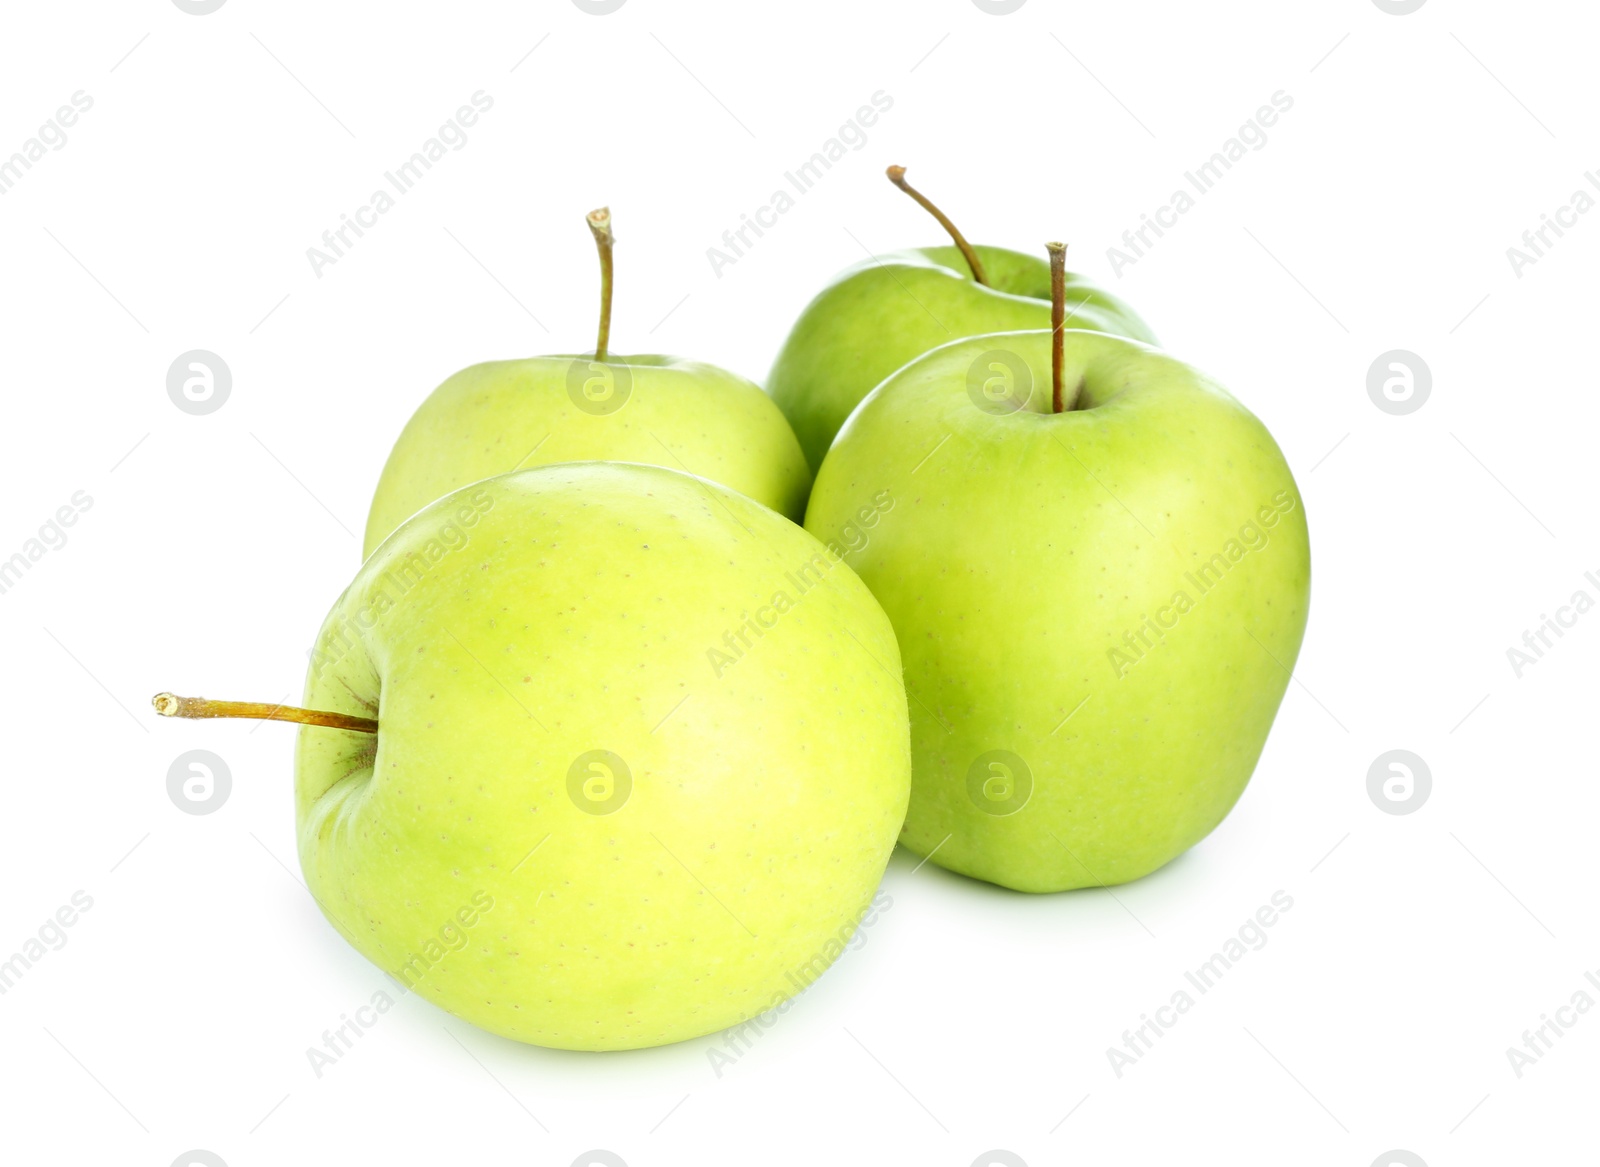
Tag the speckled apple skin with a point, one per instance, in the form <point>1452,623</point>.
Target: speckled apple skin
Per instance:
<point>885,311</point>
<point>569,609</point>
<point>1022,549</point>
<point>509,415</point>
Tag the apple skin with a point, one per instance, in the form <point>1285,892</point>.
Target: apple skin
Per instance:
<point>883,312</point>
<point>1025,547</point>
<point>569,609</point>
<point>506,415</point>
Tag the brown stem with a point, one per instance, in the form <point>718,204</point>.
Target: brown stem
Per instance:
<point>897,175</point>
<point>600,227</point>
<point>170,705</point>
<point>1058,321</point>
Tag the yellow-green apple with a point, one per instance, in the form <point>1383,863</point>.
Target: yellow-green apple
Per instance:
<point>500,416</point>
<point>608,756</point>
<point>879,314</point>
<point>1099,593</point>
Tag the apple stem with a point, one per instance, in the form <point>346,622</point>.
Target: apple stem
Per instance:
<point>600,227</point>
<point>170,705</point>
<point>1058,322</point>
<point>897,175</point>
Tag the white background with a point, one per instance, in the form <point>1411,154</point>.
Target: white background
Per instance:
<point>1377,217</point>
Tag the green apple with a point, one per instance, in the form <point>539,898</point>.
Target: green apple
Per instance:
<point>505,415</point>
<point>884,311</point>
<point>639,756</point>
<point>1098,607</point>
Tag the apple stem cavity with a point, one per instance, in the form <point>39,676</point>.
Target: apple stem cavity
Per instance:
<point>1058,323</point>
<point>897,175</point>
<point>600,227</point>
<point>171,705</point>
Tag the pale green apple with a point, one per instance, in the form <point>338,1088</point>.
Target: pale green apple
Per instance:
<point>1098,609</point>
<point>505,415</point>
<point>641,757</point>
<point>502,416</point>
<point>883,312</point>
